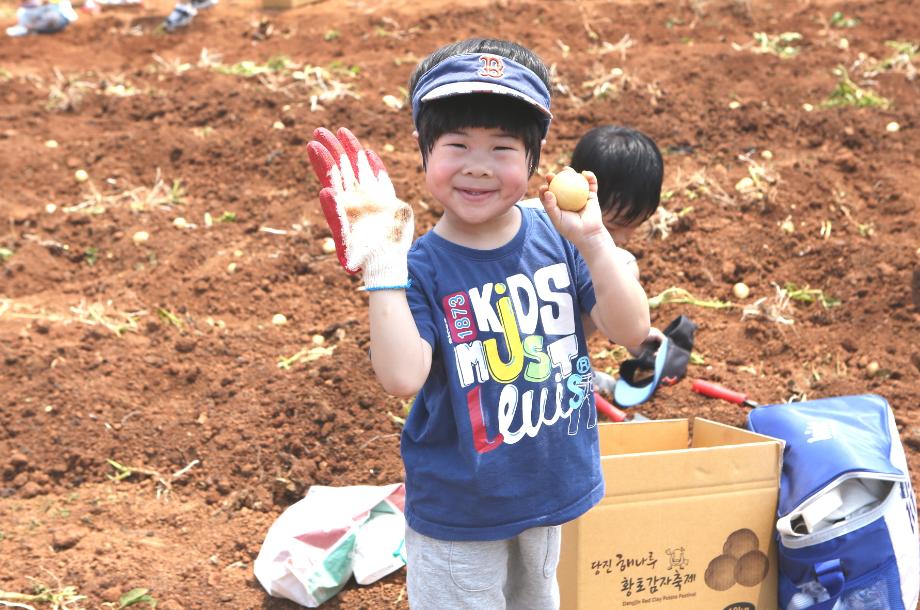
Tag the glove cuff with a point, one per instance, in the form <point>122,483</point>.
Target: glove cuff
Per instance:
<point>386,271</point>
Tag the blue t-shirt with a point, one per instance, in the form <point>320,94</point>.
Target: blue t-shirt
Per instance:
<point>502,437</point>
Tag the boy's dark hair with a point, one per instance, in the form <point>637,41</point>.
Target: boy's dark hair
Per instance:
<point>487,110</point>
<point>629,170</point>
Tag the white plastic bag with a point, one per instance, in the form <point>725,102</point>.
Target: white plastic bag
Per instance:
<point>317,543</point>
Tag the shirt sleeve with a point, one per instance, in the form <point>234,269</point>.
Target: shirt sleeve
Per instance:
<point>584,285</point>
<point>628,259</point>
<point>420,303</point>
<point>626,256</point>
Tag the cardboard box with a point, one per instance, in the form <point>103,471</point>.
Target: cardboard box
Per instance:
<point>687,521</point>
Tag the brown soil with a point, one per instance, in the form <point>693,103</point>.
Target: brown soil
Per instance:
<point>192,378</point>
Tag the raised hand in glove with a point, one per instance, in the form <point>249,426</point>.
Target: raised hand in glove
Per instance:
<point>372,229</point>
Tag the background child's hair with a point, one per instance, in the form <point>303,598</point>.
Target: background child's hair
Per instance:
<point>629,171</point>
<point>486,110</point>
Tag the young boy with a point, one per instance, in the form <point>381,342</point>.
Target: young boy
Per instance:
<point>482,319</point>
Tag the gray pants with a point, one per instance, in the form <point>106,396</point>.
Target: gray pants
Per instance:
<point>514,574</point>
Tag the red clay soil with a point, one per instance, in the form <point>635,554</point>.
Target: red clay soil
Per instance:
<point>162,354</point>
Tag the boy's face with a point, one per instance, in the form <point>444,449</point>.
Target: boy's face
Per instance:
<point>477,173</point>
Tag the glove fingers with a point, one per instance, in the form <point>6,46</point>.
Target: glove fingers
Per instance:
<point>376,163</point>
<point>329,141</point>
<point>323,163</point>
<point>338,173</point>
<point>380,171</point>
<point>353,149</point>
<point>334,220</point>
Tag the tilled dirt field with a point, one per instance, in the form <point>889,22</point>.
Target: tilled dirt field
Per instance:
<point>127,334</point>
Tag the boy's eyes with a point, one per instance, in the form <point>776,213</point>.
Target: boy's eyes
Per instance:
<point>462,146</point>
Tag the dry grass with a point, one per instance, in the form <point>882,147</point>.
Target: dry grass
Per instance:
<point>770,308</point>
<point>90,314</point>
<point>140,199</point>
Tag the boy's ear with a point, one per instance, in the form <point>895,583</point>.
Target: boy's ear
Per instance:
<point>415,134</point>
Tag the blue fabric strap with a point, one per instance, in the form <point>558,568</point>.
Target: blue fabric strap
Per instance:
<point>830,575</point>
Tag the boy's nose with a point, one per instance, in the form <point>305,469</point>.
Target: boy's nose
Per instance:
<point>477,169</point>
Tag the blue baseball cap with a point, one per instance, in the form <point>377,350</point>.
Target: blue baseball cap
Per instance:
<point>482,73</point>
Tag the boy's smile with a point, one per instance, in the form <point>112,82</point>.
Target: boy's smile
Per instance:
<point>477,174</point>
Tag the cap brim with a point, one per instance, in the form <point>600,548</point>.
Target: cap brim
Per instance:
<point>627,395</point>
<point>467,87</point>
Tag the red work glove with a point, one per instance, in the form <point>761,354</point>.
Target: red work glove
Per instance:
<point>372,229</point>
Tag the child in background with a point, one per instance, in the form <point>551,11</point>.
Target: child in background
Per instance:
<point>629,171</point>
<point>42,17</point>
<point>483,317</point>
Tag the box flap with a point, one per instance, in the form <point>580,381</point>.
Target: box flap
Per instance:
<point>642,461</point>
<point>708,433</point>
<point>643,437</point>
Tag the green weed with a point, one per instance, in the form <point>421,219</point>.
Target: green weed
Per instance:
<point>176,193</point>
<point>782,45</point>
<point>136,596</point>
<point>168,316</point>
<point>839,20</point>
<point>248,68</point>
<point>810,295</point>
<point>848,93</point>
<point>62,598</point>
<point>680,295</point>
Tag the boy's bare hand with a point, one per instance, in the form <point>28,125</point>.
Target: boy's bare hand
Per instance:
<point>578,227</point>
<point>372,229</point>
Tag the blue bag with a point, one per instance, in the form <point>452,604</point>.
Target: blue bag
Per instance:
<point>847,516</point>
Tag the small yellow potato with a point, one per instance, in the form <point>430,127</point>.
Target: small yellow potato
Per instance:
<point>571,190</point>
<point>80,175</point>
<point>741,290</point>
<point>279,319</point>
